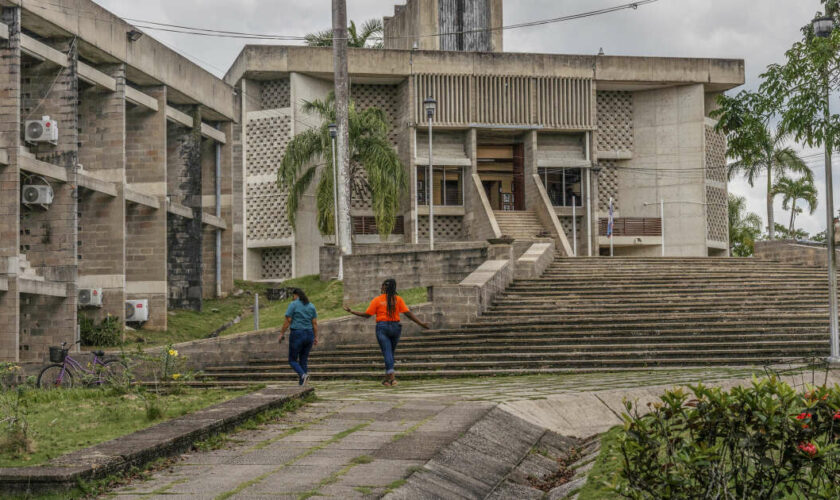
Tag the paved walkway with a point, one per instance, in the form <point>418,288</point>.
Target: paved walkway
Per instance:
<point>360,440</point>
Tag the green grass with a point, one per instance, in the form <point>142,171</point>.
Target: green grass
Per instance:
<point>62,421</point>
<point>607,470</point>
<point>184,326</point>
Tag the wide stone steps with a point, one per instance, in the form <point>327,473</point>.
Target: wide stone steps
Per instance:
<point>519,225</point>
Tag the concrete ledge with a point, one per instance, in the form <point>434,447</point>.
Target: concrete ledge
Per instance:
<point>97,78</point>
<point>213,133</point>
<point>533,263</point>
<point>444,161</point>
<point>42,51</point>
<point>4,285</point>
<point>88,181</point>
<point>4,155</point>
<point>44,288</point>
<point>179,117</point>
<point>615,155</point>
<point>178,209</point>
<point>137,449</point>
<point>459,210</point>
<point>4,31</point>
<point>136,197</point>
<point>31,165</point>
<point>212,220</point>
<point>563,163</point>
<point>138,98</point>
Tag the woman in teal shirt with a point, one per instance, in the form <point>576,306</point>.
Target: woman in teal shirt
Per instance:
<point>301,317</point>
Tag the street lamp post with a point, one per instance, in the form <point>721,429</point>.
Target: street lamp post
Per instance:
<point>823,27</point>
<point>430,105</point>
<point>333,134</point>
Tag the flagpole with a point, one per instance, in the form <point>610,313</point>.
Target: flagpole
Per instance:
<point>612,228</point>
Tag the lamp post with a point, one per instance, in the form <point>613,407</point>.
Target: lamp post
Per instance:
<point>661,221</point>
<point>333,134</point>
<point>823,27</point>
<point>430,105</point>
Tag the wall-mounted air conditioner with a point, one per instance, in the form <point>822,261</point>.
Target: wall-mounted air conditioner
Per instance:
<point>136,311</point>
<point>43,130</point>
<point>90,297</point>
<point>36,194</point>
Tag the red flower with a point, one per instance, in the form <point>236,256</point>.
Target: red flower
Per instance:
<point>803,416</point>
<point>809,449</point>
<point>837,416</point>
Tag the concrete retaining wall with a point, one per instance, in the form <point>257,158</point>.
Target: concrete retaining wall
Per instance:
<point>791,252</point>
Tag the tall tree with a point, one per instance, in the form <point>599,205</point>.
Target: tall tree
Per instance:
<point>744,227</point>
<point>792,191</point>
<point>754,148</point>
<point>370,36</point>
<point>375,166</point>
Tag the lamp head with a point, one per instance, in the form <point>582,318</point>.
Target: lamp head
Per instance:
<point>333,130</point>
<point>823,26</point>
<point>133,35</point>
<point>430,105</point>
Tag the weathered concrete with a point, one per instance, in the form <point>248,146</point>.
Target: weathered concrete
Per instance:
<point>792,252</point>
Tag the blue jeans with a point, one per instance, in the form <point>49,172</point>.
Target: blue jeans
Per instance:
<point>300,343</point>
<point>388,334</point>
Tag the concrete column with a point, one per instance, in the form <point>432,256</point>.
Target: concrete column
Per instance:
<point>9,183</point>
<point>184,235</point>
<point>228,242</point>
<point>237,227</point>
<point>102,138</point>
<point>596,215</point>
<point>49,237</point>
<point>146,248</point>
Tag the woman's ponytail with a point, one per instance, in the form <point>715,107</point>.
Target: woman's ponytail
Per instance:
<point>390,286</point>
<point>301,296</point>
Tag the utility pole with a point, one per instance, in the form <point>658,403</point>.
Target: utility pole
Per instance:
<point>342,105</point>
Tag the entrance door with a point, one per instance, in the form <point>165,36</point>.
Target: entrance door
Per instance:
<point>501,169</point>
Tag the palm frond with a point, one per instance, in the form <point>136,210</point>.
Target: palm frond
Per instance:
<point>787,160</point>
<point>319,39</point>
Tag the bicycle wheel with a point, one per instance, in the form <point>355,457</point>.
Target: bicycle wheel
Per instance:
<point>114,373</point>
<point>51,377</point>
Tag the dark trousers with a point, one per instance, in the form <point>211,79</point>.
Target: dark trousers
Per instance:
<point>388,335</point>
<point>300,343</point>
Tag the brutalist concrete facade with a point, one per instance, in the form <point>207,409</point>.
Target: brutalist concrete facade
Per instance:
<point>634,130</point>
<point>142,175</point>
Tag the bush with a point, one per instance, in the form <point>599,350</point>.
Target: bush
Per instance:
<point>763,441</point>
<point>106,334</point>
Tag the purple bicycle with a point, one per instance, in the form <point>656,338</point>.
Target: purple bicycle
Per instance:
<point>61,373</point>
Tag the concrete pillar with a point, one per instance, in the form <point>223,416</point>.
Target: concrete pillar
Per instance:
<point>101,252</point>
<point>593,231</point>
<point>9,183</point>
<point>237,138</point>
<point>184,235</point>
<point>146,249</point>
<point>49,237</point>
<point>228,242</point>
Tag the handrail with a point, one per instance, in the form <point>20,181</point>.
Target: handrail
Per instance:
<point>547,209</point>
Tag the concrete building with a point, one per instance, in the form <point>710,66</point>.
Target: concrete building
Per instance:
<point>140,173</point>
<point>525,144</point>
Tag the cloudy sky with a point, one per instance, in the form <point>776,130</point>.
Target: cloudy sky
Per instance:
<point>758,31</point>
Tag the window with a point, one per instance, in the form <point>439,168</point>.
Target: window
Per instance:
<point>563,185</point>
<point>448,187</point>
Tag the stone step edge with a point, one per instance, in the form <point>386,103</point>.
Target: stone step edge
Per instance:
<point>142,447</point>
<point>477,462</point>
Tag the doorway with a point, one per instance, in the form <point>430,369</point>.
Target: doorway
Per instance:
<point>501,169</point>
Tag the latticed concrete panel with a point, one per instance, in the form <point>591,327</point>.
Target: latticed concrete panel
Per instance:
<point>717,214</point>
<point>276,94</point>
<point>277,263</point>
<point>383,97</point>
<point>447,228</point>
<point>615,121</point>
<point>715,155</point>
<point>608,186</point>
<point>267,218</point>
<point>566,222</point>
<point>267,141</point>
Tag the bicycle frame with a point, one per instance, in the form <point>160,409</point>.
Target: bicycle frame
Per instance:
<point>72,364</point>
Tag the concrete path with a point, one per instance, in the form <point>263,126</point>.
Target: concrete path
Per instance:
<point>360,440</point>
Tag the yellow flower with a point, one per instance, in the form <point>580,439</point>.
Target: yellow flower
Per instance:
<point>176,376</point>
<point>173,353</point>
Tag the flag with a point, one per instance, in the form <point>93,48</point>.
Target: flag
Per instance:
<point>611,220</point>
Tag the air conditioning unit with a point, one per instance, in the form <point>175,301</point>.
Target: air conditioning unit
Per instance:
<point>36,194</point>
<point>136,311</point>
<point>43,130</point>
<point>90,297</point>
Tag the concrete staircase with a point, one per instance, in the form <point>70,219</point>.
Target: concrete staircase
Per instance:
<point>603,314</point>
<point>523,225</point>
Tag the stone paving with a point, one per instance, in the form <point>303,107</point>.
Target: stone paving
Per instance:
<point>360,440</point>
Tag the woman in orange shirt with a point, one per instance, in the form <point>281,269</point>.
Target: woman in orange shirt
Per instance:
<point>387,309</point>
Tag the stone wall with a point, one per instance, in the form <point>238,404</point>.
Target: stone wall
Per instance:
<point>792,252</point>
<point>412,266</point>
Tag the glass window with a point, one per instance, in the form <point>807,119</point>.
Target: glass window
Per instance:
<point>448,188</point>
<point>563,185</point>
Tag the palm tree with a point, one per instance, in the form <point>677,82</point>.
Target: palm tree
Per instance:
<point>372,31</point>
<point>793,191</point>
<point>744,227</point>
<point>776,159</point>
<point>375,166</point>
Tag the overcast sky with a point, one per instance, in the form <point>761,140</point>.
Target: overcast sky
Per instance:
<point>758,31</point>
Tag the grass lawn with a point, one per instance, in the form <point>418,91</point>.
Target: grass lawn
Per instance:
<point>190,325</point>
<point>607,470</point>
<point>62,421</point>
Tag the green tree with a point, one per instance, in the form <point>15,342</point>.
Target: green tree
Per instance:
<point>375,166</point>
<point>756,150</point>
<point>369,37</point>
<point>744,227</point>
<point>792,191</point>
<point>785,233</point>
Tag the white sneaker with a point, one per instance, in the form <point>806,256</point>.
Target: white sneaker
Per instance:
<point>304,378</point>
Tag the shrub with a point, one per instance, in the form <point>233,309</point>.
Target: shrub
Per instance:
<point>106,334</point>
<point>14,424</point>
<point>762,441</point>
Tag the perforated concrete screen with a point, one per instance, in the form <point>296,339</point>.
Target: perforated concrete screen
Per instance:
<point>277,263</point>
<point>266,202</point>
<point>608,186</point>
<point>447,228</point>
<point>715,155</point>
<point>276,94</point>
<point>267,218</point>
<point>718,226</point>
<point>267,141</point>
<point>615,121</point>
